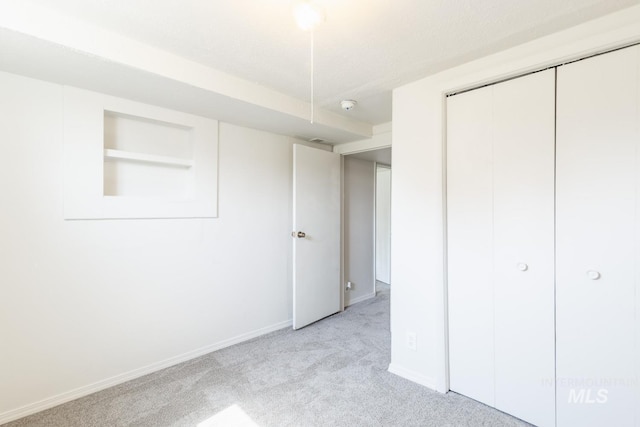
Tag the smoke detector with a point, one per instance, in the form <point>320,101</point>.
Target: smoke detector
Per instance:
<point>348,104</point>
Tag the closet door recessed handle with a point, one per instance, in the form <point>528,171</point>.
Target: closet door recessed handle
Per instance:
<point>593,275</point>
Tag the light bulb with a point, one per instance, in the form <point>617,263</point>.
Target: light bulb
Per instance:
<point>308,16</point>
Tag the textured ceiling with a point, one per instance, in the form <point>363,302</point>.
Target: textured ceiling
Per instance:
<point>363,50</point>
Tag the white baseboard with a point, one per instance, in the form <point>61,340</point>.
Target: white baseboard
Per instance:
<point>414,376</point>
<point>361,298</point>
<point>77,393</point>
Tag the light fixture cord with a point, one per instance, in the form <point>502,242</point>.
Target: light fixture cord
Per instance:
<point>312,60</point>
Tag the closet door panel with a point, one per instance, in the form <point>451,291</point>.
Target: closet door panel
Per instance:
<point>597,144</point>
<point>523,170</point>
<point>469,216</point>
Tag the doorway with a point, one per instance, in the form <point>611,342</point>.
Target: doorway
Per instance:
<point>367,224</point>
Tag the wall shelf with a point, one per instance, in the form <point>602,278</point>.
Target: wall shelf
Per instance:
<point>112,154</point>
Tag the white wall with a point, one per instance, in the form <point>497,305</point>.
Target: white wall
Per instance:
<point>383,224</point>
<point>359,226</point>
<point>418,295</point>
<point>86,304</point>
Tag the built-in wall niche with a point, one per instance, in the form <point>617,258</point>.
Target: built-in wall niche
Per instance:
<point>147,158</point>
<point>130,160</point>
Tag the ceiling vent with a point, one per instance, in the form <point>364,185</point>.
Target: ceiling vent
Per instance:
<point>314,139</point>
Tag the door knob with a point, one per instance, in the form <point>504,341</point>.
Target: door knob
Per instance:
<point>522,266</point>
<point>299,234</point>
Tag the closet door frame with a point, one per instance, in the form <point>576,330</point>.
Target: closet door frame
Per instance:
<point>421,123</point>
<point>514,66</point>
<point>611,34</point>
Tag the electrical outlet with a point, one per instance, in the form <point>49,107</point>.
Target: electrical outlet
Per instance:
<point>412,341</point>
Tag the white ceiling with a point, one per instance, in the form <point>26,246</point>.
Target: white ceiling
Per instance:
<point>363,50</point>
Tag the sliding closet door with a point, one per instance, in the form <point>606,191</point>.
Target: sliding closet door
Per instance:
<point>597,235</point>
<point>500,204</point>
<point>470,241</point>
<point>523,218</point>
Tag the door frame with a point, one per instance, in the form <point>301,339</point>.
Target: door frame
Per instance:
<point>511,64</point>
<point>381,139</point>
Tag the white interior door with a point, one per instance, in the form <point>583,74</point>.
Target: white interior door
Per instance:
<point>316,236</point>
<point>597,247</point>
<point>383,224</point>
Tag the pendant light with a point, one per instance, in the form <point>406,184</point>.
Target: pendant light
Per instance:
<point>308,16</point>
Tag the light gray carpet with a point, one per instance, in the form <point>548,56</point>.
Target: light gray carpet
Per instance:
<point>332,373</point>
